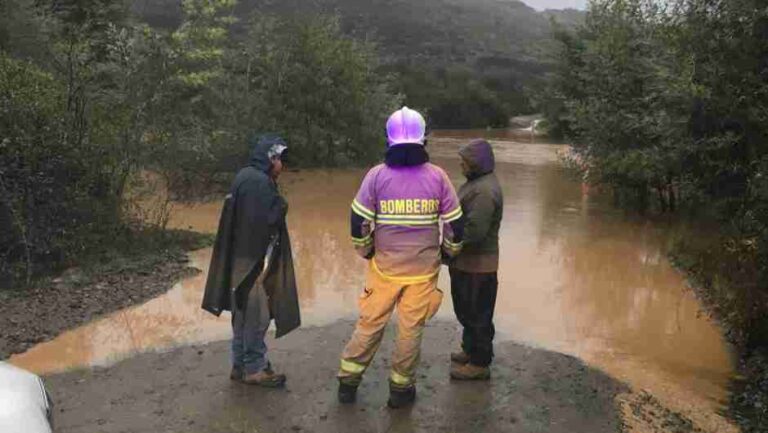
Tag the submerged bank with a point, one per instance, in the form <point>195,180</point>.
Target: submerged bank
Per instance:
<point>81,295</point>
<point>728,286</point>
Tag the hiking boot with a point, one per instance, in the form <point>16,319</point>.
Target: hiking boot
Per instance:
<point>237,374</point>
<point>401,396</point>
<point>347,393</point>
<point>460,357</point>
<point>470,372</point>
<point>266,378</point>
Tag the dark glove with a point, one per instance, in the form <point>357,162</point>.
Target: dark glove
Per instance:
<point>370,255</point>
<point>446,259</point>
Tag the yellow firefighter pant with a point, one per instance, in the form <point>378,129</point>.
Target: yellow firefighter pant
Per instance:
<point>416,303</point>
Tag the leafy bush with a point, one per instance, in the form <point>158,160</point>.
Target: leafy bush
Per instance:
<point>116,113</point>
<point>53,191</point>
<point>666,103</point>
<point>455,97</point>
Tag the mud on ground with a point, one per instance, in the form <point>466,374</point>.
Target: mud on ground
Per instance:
<point>188,389</point>
<point>80,296</point>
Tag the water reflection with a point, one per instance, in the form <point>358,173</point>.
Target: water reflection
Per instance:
<point>576,277</point>
<point>523,135</point>
<point>169,320</point>
<point>318,219</point>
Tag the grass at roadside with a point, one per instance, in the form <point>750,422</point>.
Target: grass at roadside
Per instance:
<point>143,251</point>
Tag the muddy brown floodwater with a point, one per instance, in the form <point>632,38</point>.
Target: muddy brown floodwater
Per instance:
<point>576,277</point>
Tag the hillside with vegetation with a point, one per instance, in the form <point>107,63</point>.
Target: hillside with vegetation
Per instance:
<point>92,101</point>
<point>96,94</point>
<point>437,31</point>
<point>467,63</point>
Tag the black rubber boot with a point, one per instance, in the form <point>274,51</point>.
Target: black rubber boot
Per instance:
<point>401,396</point>
<point>347,393</point>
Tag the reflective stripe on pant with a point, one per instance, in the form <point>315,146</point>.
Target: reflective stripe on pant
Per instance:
<point>415,303</point>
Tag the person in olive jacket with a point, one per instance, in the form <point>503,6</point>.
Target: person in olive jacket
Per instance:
<point>474,278</point>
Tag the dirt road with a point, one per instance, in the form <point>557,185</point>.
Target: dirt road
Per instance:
<point>188,390</point>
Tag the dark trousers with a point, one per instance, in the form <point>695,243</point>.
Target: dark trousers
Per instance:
<point>474,299</point>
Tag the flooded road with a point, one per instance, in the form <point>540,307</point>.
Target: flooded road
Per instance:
<point>576,277</point>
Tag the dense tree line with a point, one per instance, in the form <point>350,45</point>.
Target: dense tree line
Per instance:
<point>666,103</point>
<point>96,107</point>
<point>459,97</point>
<point>467,63</point>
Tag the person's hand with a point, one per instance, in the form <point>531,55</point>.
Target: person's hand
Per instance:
<point>446,259</point>
<point>283,206</point>
<point>370,255</point>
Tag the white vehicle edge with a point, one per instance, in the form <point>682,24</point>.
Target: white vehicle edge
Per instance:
<point>25,406</point>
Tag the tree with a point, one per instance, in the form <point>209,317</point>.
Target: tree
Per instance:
<point>44,179</point>
<point>114,105</point>
<point>622,93</point>
<point>188,134</point>
<point>667,102</point>
<point>320,89</point>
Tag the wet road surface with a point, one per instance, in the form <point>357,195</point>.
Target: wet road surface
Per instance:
<point>188,390</point>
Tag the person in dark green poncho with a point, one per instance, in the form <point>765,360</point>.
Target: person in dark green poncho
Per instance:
<point>251,272</point>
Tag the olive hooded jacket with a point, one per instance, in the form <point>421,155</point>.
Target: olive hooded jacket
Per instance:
<point>483,205</point>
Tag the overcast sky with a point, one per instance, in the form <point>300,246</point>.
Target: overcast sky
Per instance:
<point>556,4</point>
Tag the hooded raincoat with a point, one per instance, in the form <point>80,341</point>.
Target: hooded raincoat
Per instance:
<point>253,243</point>
<point>483,205</point>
